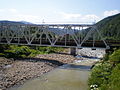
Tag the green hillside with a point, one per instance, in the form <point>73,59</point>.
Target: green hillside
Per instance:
<point>110,27</point>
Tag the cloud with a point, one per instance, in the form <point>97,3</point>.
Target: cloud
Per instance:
<point>72,17</point>
<point>110,13</point>
<point>15,15</point>
<point>91,17</point>
<point>12,10</point>
<point>2,10</point>
<point>63,17</point>
<point>69,15</point>
<point>29,18</point>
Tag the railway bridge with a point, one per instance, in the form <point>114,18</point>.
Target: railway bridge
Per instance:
<point>56,35</point>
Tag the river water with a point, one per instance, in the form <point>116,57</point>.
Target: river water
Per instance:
<point>72,76</point>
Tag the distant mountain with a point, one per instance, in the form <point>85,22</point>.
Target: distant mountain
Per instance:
<point>26,22</point>
<point>14,22</point>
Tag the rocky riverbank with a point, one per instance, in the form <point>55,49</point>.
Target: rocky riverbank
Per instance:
<point>15,72</point>
<point>99,53</point>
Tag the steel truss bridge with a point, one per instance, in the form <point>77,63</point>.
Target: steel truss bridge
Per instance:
<point>60,35</point>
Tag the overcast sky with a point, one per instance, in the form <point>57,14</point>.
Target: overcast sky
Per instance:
<point>58,11</point>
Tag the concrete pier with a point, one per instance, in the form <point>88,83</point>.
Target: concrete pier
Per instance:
<point>72,51</point>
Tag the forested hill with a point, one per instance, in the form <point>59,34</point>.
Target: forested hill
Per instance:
<point>6,22</point>
<point>110,27</point>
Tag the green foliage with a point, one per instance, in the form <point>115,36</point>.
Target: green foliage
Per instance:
<point>45,49</point>
<point>50,49</point>
<point>115,57</point>
<point>106,57</point>
<point>114,79</point>
<point>100,73</point>
<point>2,54</point>
<point>109,28</point>
<point>105,74</point>
<point>3,47</point>
<point>15,51</point>
<point>34,53</point>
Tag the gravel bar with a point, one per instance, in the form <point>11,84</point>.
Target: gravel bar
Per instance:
<point>16,72</point>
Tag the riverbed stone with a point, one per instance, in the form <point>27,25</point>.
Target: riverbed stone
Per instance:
<point>18,71</point>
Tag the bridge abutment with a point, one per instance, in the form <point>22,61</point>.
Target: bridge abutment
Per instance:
<point>72,51</point>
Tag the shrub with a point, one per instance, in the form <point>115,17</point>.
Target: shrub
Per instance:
<point>106,57</point>
<point>114,79</point>
<point>106,74</point>
<point>17,51</point>
<point>49,49</point>
<point>2,54</point>
<point>100,74</point>
<point>3,47</point>
<point>115,57</point>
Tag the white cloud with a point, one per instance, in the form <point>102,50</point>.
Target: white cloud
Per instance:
<point>63,17</point>
<point>90,18</point>
<point>14,15</point>
<point>2,10</point>
<point>12,10</point>
<point>29,18</point>
<point>110,13</point>
<point>70,15</point>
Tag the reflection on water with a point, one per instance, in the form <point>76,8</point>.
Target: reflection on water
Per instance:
<point>66,77</point>
<point>73,66</point>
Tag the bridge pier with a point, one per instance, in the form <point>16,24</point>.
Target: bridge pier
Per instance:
<point>109,50</point>
<point>72,51</point>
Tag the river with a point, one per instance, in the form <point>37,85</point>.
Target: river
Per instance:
<point>72,76</point>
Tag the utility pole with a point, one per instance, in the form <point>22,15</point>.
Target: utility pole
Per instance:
<point>43,22</point>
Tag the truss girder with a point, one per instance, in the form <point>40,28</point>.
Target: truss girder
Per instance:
<point>47,34</point>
